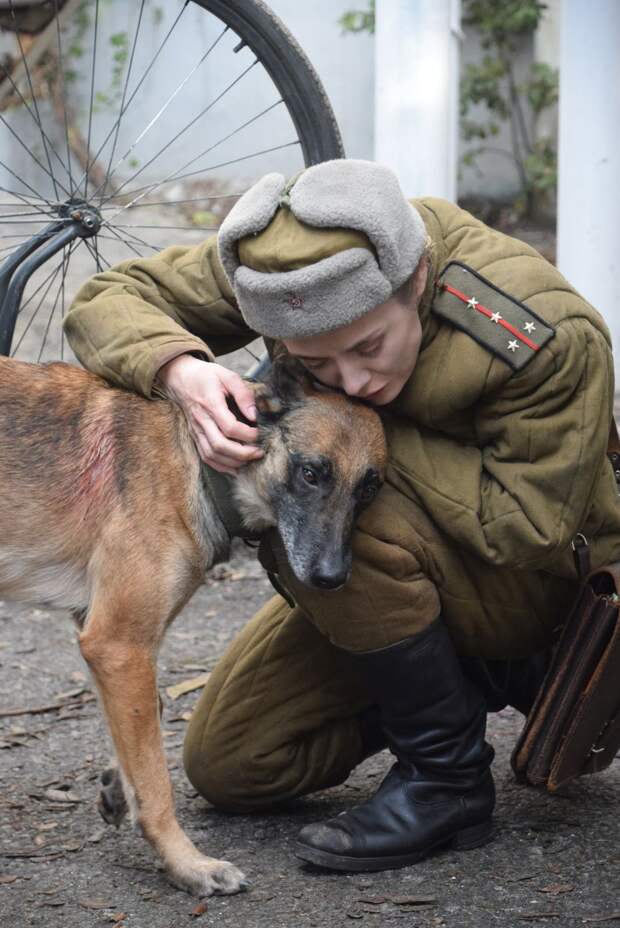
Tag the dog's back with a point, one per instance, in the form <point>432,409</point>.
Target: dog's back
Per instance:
<point>76,456</point>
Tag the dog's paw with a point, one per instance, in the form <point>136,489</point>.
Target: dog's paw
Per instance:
<point>111,804</point>
<point>205,876</point>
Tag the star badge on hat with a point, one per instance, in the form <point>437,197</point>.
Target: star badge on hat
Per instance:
<point>294,300</point>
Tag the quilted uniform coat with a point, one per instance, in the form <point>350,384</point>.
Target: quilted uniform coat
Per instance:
<point>498,468</point>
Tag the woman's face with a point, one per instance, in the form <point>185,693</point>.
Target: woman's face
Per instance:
<point>373,357</point>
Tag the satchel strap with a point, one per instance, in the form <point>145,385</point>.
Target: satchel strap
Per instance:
<point>613,451</point>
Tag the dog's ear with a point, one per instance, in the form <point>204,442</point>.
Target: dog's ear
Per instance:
<point>286,385</point>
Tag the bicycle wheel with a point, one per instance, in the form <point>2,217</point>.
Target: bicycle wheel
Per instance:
<point>129,127</point>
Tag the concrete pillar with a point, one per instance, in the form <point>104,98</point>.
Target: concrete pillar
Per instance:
<point>589,155</point>
<point>416,93</point>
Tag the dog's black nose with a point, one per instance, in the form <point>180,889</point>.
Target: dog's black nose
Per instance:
<point>328,579</point>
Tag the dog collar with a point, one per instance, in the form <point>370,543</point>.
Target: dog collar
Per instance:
<point>220,491</point>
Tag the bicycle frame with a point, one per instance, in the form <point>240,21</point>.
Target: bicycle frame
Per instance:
<point>82,221</point>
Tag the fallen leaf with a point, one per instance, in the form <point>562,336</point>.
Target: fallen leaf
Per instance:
<point>74,846</point>
<point>7,878</point>
<point>72,694</point>
<point>354,914</point>
<point>183,717</point>
<point>200,909</point>
<point>61,795</point>
<point>413,900</point>
<point>373,900</point>
<point>612,917</point>
<point>95,903</point>
<point>119,917</point>
<point>534,916</point>
<point>187,686</point>
<point>556,889</point>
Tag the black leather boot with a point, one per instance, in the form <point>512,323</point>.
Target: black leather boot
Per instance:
<point>514,682</point>
<point>440,791</point>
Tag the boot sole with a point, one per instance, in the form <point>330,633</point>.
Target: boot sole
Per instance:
<point>465,840</point>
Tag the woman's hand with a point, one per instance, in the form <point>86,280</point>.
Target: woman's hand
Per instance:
<point>200,388</point>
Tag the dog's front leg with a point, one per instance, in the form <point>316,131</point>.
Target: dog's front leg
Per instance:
<point>125,676</point>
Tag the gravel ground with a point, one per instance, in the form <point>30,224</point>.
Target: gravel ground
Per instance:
<point>554,859</point>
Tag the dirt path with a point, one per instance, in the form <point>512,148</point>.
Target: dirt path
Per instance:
<point>553,858</point>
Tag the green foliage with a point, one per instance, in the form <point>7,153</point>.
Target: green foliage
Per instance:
<point>503,27</point>
<point>359,20</point>
<point>502,22</point>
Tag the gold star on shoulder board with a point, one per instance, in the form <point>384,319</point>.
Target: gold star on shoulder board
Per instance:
<point>496,318</point>
<point>529,327</point>
<point>472,303</point>
<point>513,345</point>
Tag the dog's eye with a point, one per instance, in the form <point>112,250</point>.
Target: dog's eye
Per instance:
<point>309,475</point>
<point>368,492</point>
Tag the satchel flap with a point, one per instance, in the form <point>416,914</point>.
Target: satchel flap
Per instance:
<point>530,738</point>
<point>593,738</point>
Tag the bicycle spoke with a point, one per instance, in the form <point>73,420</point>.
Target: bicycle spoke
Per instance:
<point>163,109</point>
<point>28,222</point>
<point>44,136</point>
<point>92,99</point>
<point>214,196</point>
<point>28,152</point>
<point>125,86</point>
<point>35,313</point>
<point>211,167</point>
<point>32,295</point>
<point>22,181</point>
<point>96,253</point>
<point>139,84</point>
<point>63,89</point>
<point>64,264</point>
<point>125,242</point>
<point>171,228</point>
<point>136,240</point>
<point>176,176</point>
<point>27,201</point>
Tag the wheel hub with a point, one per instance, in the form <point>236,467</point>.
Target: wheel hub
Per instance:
<point>87,217</point>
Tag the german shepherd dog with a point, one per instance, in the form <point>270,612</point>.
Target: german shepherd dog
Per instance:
<point>103,512</point>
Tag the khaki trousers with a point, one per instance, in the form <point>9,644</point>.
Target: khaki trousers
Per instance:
<point>278,717</point>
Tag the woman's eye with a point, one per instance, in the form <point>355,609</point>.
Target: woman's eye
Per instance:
<point>370,350</point>
<point>309,476</point>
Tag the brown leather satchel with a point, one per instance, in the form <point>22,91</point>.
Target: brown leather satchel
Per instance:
<point>574,725</point>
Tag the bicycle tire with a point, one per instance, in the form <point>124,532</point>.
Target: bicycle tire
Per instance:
<point>296,82</point>
<point>291,71</point>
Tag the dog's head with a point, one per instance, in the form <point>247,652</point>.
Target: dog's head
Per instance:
<point>325,459</point>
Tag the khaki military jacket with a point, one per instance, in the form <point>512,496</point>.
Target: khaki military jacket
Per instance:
<point>510,463</point>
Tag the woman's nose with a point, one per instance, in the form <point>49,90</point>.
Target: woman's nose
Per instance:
<point>353,379</point>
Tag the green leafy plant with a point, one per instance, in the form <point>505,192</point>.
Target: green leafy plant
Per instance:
<point>359,20</point>
<point>503,26</point>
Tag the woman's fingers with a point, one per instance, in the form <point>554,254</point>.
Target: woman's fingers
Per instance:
<point>217,450</point>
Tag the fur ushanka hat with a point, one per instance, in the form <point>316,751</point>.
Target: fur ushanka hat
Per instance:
<point>317,252</point>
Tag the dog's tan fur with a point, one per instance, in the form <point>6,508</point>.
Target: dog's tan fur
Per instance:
<point>103,512</point>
